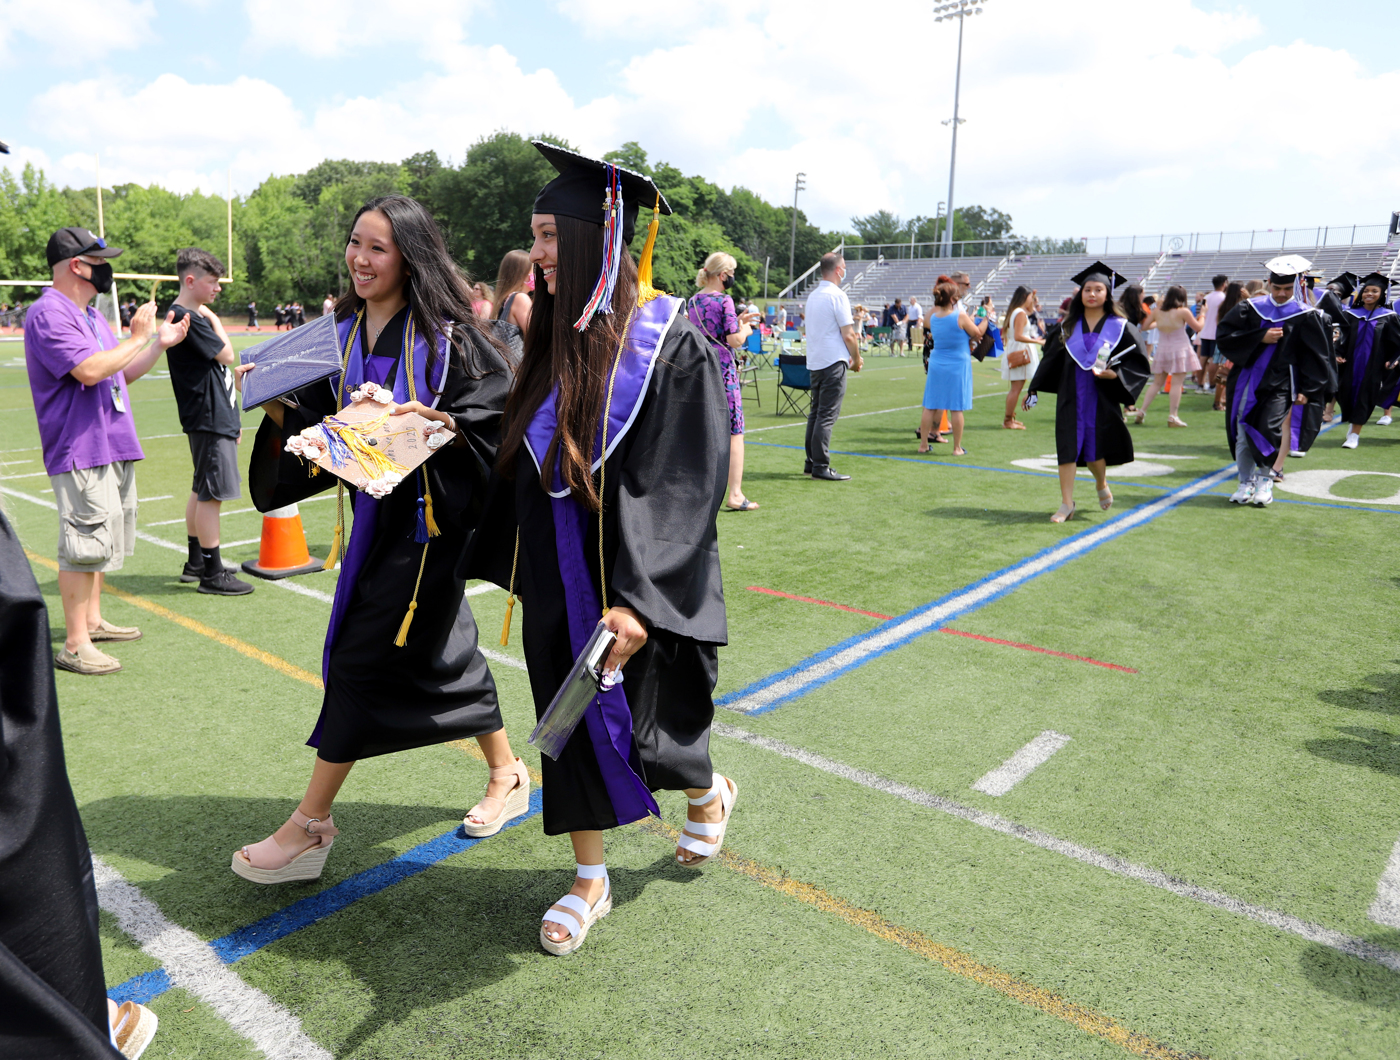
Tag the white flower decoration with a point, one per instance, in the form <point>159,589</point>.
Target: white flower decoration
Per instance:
<point>392,477</point>
<point>433,426</point>
<point>379,488</point>
<point>296,444</point>
<point>357,395</point>
<point>437,441</point>
<point>383,396</point>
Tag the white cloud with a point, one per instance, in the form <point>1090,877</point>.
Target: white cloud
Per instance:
<point>329,28</point>
<point>78,30</point>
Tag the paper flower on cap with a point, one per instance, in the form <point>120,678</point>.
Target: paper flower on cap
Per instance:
<point>380,488</point>
<point>383,396</point>
<point>437,441</point>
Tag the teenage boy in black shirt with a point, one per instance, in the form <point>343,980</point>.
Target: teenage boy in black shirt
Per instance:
<point>208,406</point>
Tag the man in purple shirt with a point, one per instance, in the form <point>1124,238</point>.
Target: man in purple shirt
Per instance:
<point>78,377</point>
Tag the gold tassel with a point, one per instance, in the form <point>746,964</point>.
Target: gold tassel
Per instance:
<point>402,638</point>
<point>433,530</point>
<point>645,290</point>
<point>505,627</point>
<point>334,557</point>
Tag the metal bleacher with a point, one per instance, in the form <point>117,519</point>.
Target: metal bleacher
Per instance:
<point>874,283</point>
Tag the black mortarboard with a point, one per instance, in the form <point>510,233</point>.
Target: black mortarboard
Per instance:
<point>1101,272</point>
<point>1375,279</point>
<point>581,187</point>
<point>1347,282</point>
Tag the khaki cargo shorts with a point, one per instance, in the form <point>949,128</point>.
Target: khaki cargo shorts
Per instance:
<point>96,516</point>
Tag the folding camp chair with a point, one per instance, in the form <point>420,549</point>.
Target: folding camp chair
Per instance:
<point>747,368</point>
<point>794,385</point>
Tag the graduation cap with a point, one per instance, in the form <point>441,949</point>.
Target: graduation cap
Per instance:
<point>1101,273</point>
<point>590,189</point>
<point>1375,279</point>
<point>298,358</point>
<point>1347,283</point>
<point>1286,268</point>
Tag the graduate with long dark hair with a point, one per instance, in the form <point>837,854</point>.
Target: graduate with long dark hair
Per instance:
<point>401,664</point>
<point>614,461</point>
<point>1371,346</point>
<point>1095,363</point>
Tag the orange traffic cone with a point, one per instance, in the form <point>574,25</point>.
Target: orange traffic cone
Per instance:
<point>944,427</point>
<point>282,551</point>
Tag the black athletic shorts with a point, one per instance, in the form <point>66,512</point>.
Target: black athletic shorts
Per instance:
<point>215,466</point>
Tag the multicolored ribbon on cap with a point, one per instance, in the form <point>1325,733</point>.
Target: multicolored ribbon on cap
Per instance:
<point>601,299</point>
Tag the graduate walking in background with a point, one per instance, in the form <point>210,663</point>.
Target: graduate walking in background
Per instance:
<point>614,455</point>
<point>401,665</point>
<point>1372,345</point>
<point>1095,363</point>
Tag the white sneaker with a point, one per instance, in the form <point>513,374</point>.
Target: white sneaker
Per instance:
<point>1243,494</point>
<point>1263,494</point>
<point>1384,421</point>
<point>1353,440</point>
<point>1299,453</point>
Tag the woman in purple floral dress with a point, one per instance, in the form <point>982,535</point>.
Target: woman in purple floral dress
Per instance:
<point>711,310</point>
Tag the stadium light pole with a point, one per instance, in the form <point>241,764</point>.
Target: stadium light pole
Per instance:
<point>960,10</point>
<point>792,251</point>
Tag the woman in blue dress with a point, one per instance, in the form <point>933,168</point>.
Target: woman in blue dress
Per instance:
<point>949,384</point>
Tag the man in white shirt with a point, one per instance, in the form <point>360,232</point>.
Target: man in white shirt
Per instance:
<point>1212,303</point>
<point>831,349</point>
<point>916,324</point>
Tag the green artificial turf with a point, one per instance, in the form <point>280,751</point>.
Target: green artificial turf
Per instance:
<point>1255,751</point>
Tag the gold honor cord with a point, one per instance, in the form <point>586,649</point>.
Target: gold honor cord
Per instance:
<point>602,479</point>
<point>410,338</point>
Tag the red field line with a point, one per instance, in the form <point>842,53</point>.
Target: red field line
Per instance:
<point>954,632</point>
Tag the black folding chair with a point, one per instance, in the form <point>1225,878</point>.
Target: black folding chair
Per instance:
<point>794,385</point>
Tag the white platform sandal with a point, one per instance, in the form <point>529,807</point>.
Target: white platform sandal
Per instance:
<point>511,807</point>
<point>577,910</point>
<point>267,862</point>
<point>728,792</point>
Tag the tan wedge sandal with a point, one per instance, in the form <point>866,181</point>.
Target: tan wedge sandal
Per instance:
<point>492,813</point>
<point>574,915</point>
<point>267,862</point>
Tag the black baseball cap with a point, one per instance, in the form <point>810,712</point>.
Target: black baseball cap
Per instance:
<point>72,242</point>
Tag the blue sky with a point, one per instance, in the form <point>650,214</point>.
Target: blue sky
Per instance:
<point>1156,115</point>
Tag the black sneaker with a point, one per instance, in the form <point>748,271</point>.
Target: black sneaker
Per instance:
<point>828,475</point>
<point>193,572</point>
<point>224,584</point>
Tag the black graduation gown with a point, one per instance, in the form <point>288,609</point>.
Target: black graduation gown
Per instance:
<point>1303,364</point>
<point>53,1004</point>
<point>381,698</point>
<point>662,489</point>
<point>1056,375</point>
<point>1358,397</point>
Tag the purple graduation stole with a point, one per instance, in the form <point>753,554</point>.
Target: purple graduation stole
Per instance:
<point>1246,398</point>
<point>609,719</point>
<point>1084,346</point>
<point>365,507</point>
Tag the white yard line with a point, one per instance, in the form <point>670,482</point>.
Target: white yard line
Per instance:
<point>1020,765</point>
<point>245,541</point>
<point>484,587</point>
<point>32,474</point>
<point>194,967</point>
<point>858,415</point>
<point>1386,908</point>
<point>162,497</point>
<point>1336,940</point>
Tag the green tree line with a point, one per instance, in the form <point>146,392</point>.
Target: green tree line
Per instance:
<point>289,233</point>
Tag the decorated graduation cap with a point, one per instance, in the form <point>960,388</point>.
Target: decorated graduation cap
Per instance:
<point>592,190</point>
<point>1286,268</point>
<point>1346,283</point>
<point>1100,273</point>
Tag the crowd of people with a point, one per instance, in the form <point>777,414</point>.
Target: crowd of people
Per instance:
<point>1113,349</point>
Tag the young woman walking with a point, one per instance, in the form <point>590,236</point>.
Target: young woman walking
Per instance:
<point>612,467</point>
<point>949,383</point>
<point>1023,347</point>
<point>1095,364</point>
<point>401,665</point>
<point>1173,356</point>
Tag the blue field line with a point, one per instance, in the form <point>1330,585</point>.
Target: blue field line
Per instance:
<point>881,641</point>
<point>244,941</point>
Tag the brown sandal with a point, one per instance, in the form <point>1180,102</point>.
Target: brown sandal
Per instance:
<point>512,806</point>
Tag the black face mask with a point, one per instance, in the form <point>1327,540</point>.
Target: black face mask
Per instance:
<point>101,277</point>
<point>728,282</point>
